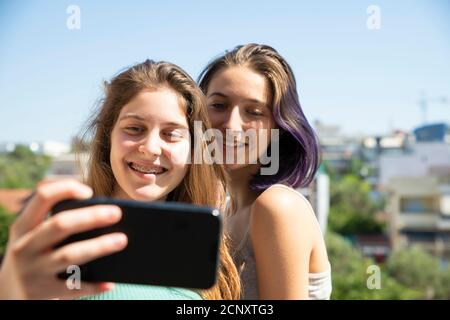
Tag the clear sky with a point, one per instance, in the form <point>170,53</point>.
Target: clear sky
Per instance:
<point>366,81</point>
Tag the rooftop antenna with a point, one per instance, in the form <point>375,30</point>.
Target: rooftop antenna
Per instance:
<point>425,101</point>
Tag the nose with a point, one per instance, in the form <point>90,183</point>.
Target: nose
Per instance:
<point>234,121</point>
<point>152,145</point>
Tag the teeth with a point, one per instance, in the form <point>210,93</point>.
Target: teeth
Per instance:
<point>229,143</point>
<point>147,170</point>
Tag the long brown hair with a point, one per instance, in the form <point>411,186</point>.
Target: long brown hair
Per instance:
<point>204,184</point>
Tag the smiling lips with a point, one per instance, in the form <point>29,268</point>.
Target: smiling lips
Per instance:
<point>146,168</point>
<point>234,145</point>
<point>231,143</point>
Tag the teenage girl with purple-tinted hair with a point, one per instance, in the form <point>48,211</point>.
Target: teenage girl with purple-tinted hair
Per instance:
<point>278,245</point>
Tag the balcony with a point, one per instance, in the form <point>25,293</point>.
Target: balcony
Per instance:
<point>418,221</point>
<point>443,223</point>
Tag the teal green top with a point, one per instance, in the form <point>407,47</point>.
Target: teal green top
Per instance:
<point>122,291</point>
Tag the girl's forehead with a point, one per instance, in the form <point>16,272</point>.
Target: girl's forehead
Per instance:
<point>155,105</point>
<point>241,82</point>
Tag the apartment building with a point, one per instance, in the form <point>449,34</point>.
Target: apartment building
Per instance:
<point>419,213</point>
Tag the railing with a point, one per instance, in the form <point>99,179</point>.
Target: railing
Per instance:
<point>427,220</point>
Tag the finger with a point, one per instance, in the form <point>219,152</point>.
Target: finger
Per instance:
<point>52,179</point>
<point>45,197</point>
<point>59,227</point>
<point>81,252</point>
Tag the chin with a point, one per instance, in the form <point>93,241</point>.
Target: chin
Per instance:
<point>232,167</point>
<point>147,194</point>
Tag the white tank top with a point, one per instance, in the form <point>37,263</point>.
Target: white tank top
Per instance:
<point>319,287</point>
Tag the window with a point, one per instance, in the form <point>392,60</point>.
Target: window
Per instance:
<point>418,205</point>
<point>418,237</point>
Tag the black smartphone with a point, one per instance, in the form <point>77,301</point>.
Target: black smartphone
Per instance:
<point>169,244</point>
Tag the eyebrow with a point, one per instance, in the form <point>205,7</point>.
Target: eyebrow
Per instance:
<point>140,118</point>
<point>222,95</point>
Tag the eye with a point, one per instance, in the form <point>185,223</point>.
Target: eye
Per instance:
<point>174,135</point>
<point>218,106</point>
<point>255,112</point>
<point>134,129</point>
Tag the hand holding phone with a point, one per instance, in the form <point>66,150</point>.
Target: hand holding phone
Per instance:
<point>169,244</point>
<point>31,261</point>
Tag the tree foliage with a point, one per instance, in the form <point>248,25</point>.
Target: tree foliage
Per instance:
<point>21,168</point>
<point>352,209</point>
<point>415,268</point>
<point>350,274</point>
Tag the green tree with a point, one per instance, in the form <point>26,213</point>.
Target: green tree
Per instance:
<point>415,268</point>
<point>352,209</point>
<point>350,274</point>
<point>330,171</point>
<point>21,152</point>
<point>443,287</point>
<point>21,168</point>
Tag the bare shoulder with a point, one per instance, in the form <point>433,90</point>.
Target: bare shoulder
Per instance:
<point>282,208</point>
<point>283,203</point>
<point>285,229</point>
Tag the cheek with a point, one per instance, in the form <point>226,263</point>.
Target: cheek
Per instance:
<point>179,154</point>
<point>263,140</point>
<point>266,133</point>
<point>265,129</point>
<point>120,146</point>
<point>215,118</point>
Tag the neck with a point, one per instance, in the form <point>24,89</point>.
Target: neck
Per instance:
<point>118,193</point>
<point>239,186</point>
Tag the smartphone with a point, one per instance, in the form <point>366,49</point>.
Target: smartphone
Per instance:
<point>169,244</point>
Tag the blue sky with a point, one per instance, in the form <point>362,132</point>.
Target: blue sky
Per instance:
<point>366,81</point>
